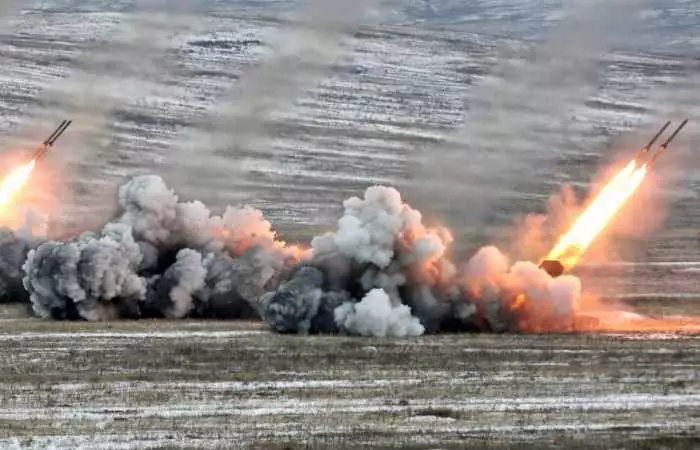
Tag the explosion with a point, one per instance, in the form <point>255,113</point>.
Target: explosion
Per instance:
<point>383,272</point>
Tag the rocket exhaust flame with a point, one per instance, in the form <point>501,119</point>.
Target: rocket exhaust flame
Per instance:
<point>382,272</point>
<point>601,211</point>
<point>18,177</point>
<point>14,182</point>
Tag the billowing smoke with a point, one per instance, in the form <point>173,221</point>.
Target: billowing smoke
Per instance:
<point>159,258</point>
<point>375,315</point>
<point>93,277</point>
<point>13,252</point>
<point>518,297</point>
<point>384,273</point>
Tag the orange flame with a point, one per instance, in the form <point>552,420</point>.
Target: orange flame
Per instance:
<point>14,182</point>
<point>599,213</point>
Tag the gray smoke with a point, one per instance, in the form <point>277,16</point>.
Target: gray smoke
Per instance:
<point>234,286</point>
<point>381,273</point>
<point>160,257</point>
<point>376,316</point>
<point>295,304</point>
<point>13,253</point>
<point>384,273</point>
<point>381,246</point>
<point>295,58</point>
<point>93,277</point>
<point>173,294</point>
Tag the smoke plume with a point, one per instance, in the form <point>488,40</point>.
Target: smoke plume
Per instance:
<point>383,272</point>
<point>159,258</point>
<point>294,58</point>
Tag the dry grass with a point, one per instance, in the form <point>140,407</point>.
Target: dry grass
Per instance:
<point>206,384</point>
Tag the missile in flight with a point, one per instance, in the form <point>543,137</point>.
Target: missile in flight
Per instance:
<point>47,145</point>
<point>665,145</point>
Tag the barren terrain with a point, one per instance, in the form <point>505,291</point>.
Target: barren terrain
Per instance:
<point>212,384</point>
<point>393,108</point>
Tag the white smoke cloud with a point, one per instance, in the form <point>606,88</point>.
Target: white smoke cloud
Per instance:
<point>188,275</point>
<point>159,218</point>
<point>380,229</point>
<point>375,316</point>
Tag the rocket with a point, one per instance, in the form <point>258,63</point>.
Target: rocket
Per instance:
<point>48,143</point>
<point>664,146</point>
<point>554,267</point>
<point>644,150</point>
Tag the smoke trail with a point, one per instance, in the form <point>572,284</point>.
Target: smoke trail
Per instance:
<point>520,114</point>
<point>125,63</point>
<point>298,55</point>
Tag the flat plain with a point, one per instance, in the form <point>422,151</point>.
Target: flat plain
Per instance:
<point>185,384</point>
<point>450,82</point>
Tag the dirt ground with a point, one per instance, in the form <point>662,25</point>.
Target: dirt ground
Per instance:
<point>167,384</point>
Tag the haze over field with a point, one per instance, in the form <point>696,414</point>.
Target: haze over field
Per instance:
<point>374,106</point>
<point>477,112</point>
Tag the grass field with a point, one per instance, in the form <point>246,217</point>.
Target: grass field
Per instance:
<point>167,384</point>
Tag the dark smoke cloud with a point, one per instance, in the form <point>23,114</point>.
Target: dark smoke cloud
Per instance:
<point>13,252</point>
<point>382,273</point>
<point>159,258</point>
